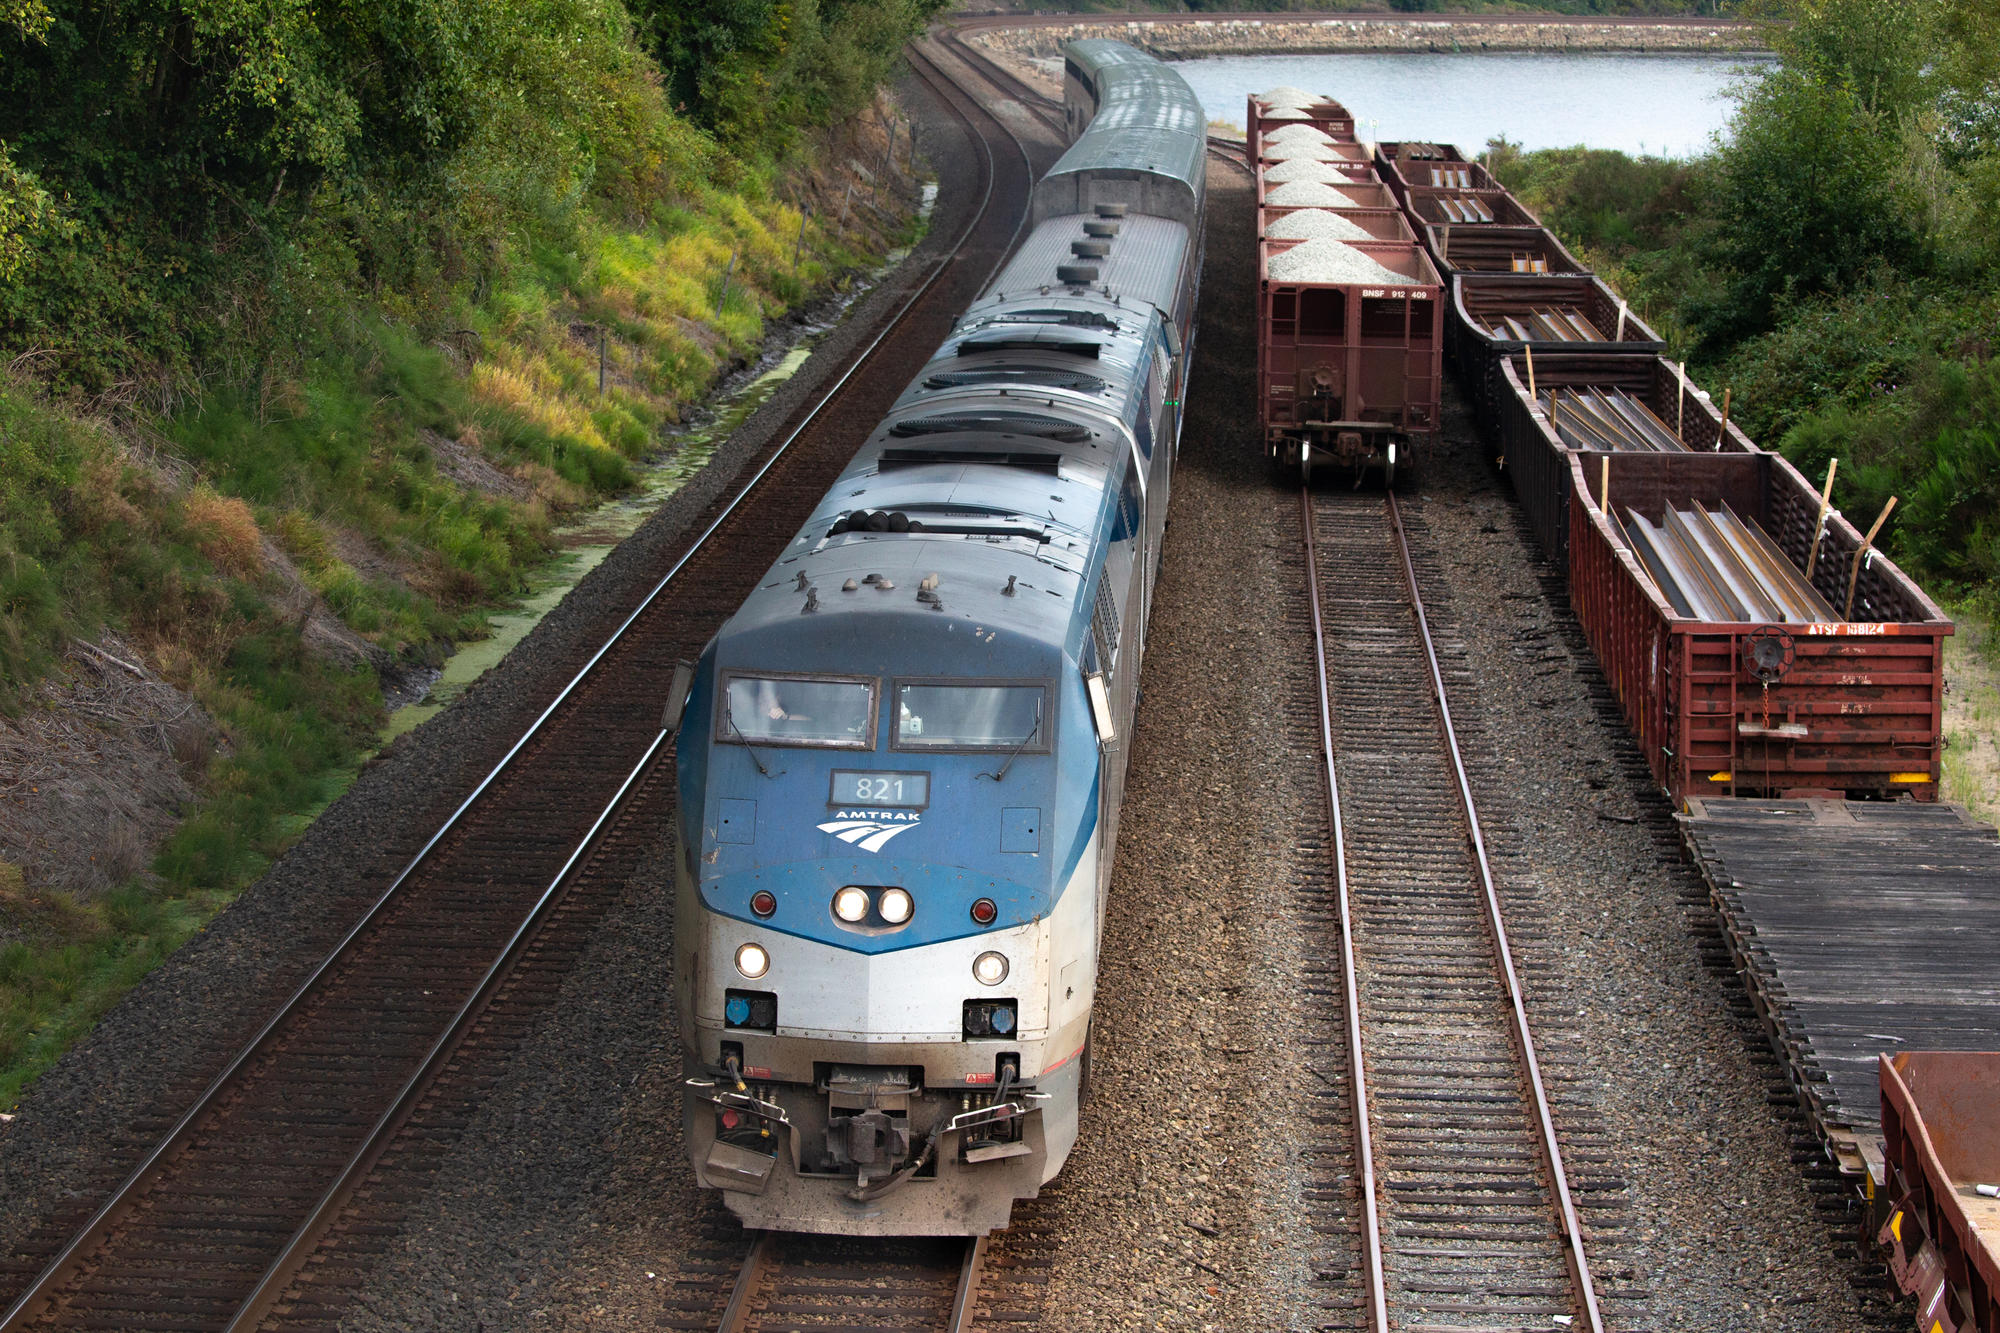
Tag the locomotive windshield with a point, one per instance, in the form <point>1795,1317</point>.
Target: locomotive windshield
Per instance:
<point>779,710</point>
<point>969,716</point>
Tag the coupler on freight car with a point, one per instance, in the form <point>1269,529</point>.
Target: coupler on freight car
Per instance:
<point>1358,447</point>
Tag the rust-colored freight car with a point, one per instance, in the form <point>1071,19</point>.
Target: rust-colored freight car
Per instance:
<point>1469,208</point>
<point>1495,315</point>
<point>1496,249</point>
<point>1539,462</point>
<point>1349,372</point>
<point>1323,114</point>
<point>1851,706</point>
<point>1940,1150</point>
<point>1407,166</point>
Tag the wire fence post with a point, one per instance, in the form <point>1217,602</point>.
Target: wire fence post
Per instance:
<point>804,216</point>
<point>727,274</point>
<point>845,200</point>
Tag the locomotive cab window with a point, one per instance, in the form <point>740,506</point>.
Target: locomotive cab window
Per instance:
<point>971,715</point>
<point>796,710</point>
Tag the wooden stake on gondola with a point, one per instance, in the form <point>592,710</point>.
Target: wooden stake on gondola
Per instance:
<point>1854,573</point>
<point>1819,527</point>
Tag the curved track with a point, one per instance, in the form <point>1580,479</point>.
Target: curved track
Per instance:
<point>1465,1216</point>
<point>210,1229</point>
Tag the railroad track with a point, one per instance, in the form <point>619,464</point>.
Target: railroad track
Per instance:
<point>1460,1199</point>
<point>309,1127</point>
<point>792,1281</point>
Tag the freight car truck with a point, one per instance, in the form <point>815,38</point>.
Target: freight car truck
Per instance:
<point>1348,367</point>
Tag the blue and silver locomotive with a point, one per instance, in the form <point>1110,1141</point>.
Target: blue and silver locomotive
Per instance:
<point>900,761</point>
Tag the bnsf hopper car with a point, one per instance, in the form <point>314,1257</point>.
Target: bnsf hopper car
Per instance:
<point>1350,341</point>
<point>1349,368</point>
<point>900,762</point>
<point>1271,112</point>
<point>1770,704</point>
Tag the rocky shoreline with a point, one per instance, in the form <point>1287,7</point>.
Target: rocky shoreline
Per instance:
<point>1185,39</point>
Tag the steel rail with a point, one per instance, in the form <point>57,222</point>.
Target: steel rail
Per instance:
<point>1364,1153</point>
<point>969,1274</point>
<point>1572,1231</point>
<point>736,1315</point>
<point>270,1287</point>
<point>31,1301</point>
<point>1005,80</point>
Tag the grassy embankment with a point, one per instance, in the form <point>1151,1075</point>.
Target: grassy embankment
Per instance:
<point>300,311</point>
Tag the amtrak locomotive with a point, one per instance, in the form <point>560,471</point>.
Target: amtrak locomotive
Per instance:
<point>900,761</point>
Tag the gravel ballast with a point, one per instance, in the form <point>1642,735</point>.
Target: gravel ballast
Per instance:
<point>1298,134</point>
<point>1310,194</point>
<point>1315,224</point>
<point>1309,151</point>
<point>1327,261</point>
<point>1306,169</point>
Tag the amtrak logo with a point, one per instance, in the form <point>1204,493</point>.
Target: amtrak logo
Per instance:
<point>870,830</point>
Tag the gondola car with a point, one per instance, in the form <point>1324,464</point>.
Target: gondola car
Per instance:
<point>900,761</point>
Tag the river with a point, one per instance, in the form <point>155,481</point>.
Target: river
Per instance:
<point>1668,105</point>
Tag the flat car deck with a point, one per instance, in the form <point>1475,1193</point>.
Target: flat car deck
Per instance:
<point>1862,927</point>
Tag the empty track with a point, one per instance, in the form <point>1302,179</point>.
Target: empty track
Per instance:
<point>1460,1203</point>
<point>210,1229</point>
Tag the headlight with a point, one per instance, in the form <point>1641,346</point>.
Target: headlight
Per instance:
<point>753,962</point>
<point>895,906</point>
<point>851,904</point>
<point>990,969</point>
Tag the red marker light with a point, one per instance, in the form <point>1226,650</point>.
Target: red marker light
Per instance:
<point>984,911</point>
<point>763,902</point>
<point>731,1119</point>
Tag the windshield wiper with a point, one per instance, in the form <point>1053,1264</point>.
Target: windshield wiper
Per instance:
<point>1016,752</point>
<point>729,716</point>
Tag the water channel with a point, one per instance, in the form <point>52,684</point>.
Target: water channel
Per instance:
<point>1666,105</point>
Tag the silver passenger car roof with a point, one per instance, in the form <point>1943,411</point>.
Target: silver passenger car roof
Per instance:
<point>1144,146</point>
